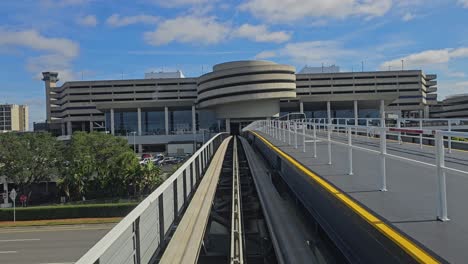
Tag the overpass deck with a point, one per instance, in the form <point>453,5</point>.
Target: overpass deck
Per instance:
<point>409,205</point>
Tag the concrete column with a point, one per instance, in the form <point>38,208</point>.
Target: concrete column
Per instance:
<point>301,107</point>
<point>91,126</point>
<point>166,119</point>
<point>219,125</point>
<point>329,112</point>
<point>112,121</point>
<point>139,120</point>
<point>83,126</point>
<point>426,111</point>
<point>382,113</point>
<point>69,128</point>
<point>194,120</point>
<point>140,148</point>
<point>356,112</point>
<point>228,125</point>
<point>63,129</point>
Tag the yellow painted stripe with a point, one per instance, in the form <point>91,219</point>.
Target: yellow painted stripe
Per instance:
<point>401,240</point>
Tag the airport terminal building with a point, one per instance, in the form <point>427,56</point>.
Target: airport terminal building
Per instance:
<point>168,112</point>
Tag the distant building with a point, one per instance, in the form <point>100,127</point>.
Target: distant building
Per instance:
<point>455,106</point>
<point>326,69</point>
<point>164,75</point>
<point>14,117</point>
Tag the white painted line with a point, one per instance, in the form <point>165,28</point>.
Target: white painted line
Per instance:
<point>20,240</point>
<point>8,252</point>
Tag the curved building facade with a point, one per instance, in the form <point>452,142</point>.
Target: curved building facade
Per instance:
<point>246,89</point>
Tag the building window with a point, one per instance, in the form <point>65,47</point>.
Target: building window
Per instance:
<point>180,121</point>
<point>153,122</point>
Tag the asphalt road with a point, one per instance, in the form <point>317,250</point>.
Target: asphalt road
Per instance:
<point>55,244</point>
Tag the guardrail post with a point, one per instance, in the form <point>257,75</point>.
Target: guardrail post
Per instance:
<point>284,131</point>
<point>449,143</point>
<point>329,144</point>
<point>315,141</point>
<point>161,221</point>
<point>289,132</point>
<point>350,151</point>
<point>367,127</point>
<point>421,135</point>
<point>304,136</point>
<point>383,153</point>
<point>136,231</point>
<point>441,186</point>
<point>295,134</point>
<point>399,132</point>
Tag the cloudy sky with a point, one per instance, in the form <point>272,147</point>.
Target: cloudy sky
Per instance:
<point>94,39</point>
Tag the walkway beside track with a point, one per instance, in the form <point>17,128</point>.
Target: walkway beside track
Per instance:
<point>184,247</point>
<point>406,213</point>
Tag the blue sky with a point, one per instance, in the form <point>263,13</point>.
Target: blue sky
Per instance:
<point>103,39</point>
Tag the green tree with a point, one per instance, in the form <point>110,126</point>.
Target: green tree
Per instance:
<point>29,158</point>
<point>148,178</point>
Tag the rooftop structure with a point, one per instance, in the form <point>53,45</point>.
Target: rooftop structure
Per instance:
<point>14,117</point>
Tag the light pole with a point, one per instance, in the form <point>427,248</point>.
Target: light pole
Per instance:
<point>134,145</point>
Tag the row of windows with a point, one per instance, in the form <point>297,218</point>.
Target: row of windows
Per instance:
<point>356,78</point>
<point>356,84</point>
<point>245,74</point>
<point>130,85</point>
<point>246,92</point>
<point>245,83</point>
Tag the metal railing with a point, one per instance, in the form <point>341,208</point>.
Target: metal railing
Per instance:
<point>310,131</point>
<point>144,231</point>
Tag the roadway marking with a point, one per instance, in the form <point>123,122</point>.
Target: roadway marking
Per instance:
<point>401,240</point>
<point>20,240</point>
<point>8,252</point>
<point>50,230</point>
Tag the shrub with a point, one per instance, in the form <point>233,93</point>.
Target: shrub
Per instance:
<point>67,211</point>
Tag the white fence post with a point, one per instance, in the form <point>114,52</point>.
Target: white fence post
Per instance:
<point>399,132</point>
<point>383,153</point>
<point>284,131</point>
<point>367,127</point>
<point>449,143</point>
<point>441,186</point>
<point>421,135</point>
<point>304,136</point>
<point>350,151</point>
<point>295,134</point>
<point>329,144</point>
<point>289,132</point>
<point>315,141</point>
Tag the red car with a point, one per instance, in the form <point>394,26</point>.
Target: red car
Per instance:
<point>146,156</point>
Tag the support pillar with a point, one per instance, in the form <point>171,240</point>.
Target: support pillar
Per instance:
<point>194,120</point>
<point>166,119</point>
<point>356,113</point>
<point>329,112</point>
<point>228,125</point>
<point>69,128</point>
<point>426,111</point>
<point>382,113</point>
<point>301,107</point>
<point>63,129</point>
<point>139,120</point>
<point>140,148</point>
<point>83,126</point>
<point>91,126</point>
<point>112,121</point>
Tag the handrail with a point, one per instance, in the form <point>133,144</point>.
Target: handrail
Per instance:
<point>137,237</point>
<point>277,129</point>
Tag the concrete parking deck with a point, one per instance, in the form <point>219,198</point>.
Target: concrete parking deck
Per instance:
<point>409,205</point>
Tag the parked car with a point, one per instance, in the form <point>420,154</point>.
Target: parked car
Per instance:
<point>146,156</point>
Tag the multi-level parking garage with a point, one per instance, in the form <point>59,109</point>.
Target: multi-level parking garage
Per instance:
<point>154,113</point>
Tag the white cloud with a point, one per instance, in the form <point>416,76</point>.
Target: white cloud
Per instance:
<point>407,16</point>
<point>456,74</point>
<point>59,52</point>
<point>120,21</point>
<point>426,58</point>
<point>265,55</point>
<point>260,33</point>
<point>293,10</point>
<point>179,3</point>
<point>87,21</point>
<point>188,29</point>
<point>463,3</point>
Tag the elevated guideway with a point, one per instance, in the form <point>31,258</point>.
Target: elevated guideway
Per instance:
<point>379,200</point>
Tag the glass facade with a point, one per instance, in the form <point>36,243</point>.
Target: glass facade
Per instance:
<point>124,123</point>
<point>153,123</point>
<point>180,121</point>
<point>206,119</point>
